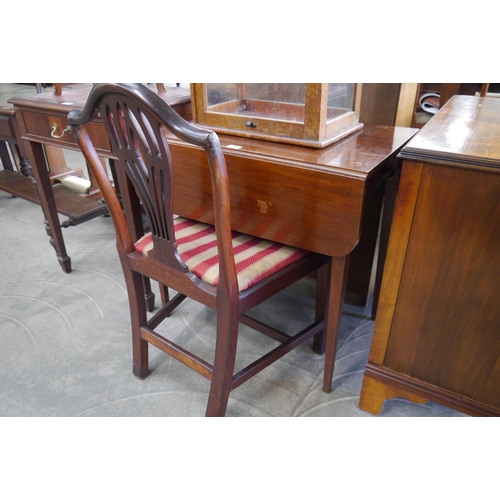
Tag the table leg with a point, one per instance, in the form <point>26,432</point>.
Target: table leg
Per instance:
<point>337,282</point>
<point>46,196</point>
<point>5,157</point>
<point>319,340</point>
<point>362,259</point>
<point>391,191</point>
<point>24,165</point>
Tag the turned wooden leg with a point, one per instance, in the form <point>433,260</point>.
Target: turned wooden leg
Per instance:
<point>338,280</point>
<point>20,157</point>
<point>374,393</point>
<point>24,164</point>
<point>25,167</point>
<point>5,157</point>
<point>47,202</point>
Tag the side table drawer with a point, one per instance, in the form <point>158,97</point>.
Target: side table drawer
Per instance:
<point>52,129</point>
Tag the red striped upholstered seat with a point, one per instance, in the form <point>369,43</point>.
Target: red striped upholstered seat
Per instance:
<point>255,258</point>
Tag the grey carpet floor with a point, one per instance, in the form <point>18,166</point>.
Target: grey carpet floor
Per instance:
<point>65,343</point>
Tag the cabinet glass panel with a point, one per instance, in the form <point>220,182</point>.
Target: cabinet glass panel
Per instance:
<point>282,101</point>
<point>340,99</point>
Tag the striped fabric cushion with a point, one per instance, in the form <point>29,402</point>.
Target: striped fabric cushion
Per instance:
<point>197,246</point>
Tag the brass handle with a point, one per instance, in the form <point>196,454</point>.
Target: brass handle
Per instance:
<point>54,129</point>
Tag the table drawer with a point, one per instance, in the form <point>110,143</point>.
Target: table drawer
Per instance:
<point>52,129</point>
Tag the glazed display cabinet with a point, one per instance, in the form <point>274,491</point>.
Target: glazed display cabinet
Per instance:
<point>305,114</point>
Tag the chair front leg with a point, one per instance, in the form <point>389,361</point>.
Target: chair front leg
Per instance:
<point>225,357</point>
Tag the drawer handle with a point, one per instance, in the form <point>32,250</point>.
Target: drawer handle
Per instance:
<point>54,130</point>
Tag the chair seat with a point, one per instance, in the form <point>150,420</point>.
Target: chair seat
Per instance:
<point>255,258</point>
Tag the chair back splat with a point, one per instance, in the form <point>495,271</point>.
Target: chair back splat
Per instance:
<point>196,260</point>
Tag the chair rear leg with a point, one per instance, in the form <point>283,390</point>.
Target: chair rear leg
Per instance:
<point>149,296</point>
<point>225,356</point>
<point>164,294</point>
<point>172,303</point>
<point>138,317</point>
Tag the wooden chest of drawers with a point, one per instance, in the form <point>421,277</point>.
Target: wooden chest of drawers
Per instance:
<point>437,332</point>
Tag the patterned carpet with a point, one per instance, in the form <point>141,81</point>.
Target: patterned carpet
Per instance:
<point>65,343</point>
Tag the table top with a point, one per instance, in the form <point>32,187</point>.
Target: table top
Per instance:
<point>357,156</point>
<point>465,130</point>
<point>76,98</point>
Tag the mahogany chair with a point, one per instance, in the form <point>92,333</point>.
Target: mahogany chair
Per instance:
<point>197,260</point>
